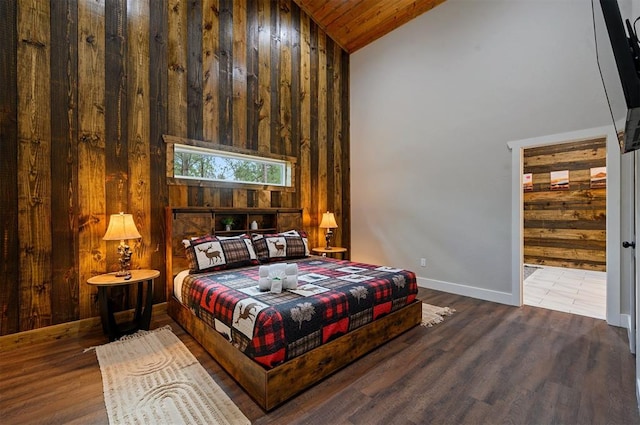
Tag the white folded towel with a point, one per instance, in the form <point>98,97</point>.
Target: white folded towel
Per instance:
<point>290,282</point>
<point>291,276</point>
<point>264,284</point>
<point>278,276</point>
<point>277,269</point>
<point>263,271</point>
<point>291,269</point>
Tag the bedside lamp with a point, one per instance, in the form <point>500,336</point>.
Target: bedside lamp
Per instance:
<point>121,228</point>
<point>328,222</point>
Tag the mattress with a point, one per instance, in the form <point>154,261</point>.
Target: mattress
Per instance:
<point>333,297</point>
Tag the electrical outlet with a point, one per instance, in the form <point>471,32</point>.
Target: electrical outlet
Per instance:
<point>423,262</point>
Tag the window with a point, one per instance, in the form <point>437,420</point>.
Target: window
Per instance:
<point>191,162</point>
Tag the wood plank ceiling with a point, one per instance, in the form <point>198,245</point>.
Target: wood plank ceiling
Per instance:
<point>355,23</point>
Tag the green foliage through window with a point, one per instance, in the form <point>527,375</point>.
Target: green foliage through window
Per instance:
<point>208,164</point>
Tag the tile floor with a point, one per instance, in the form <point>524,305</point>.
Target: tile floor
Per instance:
<point>574,291</point>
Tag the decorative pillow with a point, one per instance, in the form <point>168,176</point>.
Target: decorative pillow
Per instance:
<point>281,246</point>
<point>210,253</point>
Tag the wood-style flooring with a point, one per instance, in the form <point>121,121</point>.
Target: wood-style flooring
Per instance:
<point>487,364</point>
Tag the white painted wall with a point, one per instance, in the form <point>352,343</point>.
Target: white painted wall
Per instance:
<point>433,105</point>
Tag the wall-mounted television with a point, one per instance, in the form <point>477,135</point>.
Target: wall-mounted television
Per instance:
<point>622,84</point>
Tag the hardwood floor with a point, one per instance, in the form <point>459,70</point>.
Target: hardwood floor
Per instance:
<point>486,364</point>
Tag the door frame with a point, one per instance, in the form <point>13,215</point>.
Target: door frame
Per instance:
<point>634,325</point>
<point>517,147</point>
<point>628,224</point>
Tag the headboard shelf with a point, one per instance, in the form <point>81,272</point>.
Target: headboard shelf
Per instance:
<point>188,222</point>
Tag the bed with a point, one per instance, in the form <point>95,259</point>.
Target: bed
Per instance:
<point>223,309</point>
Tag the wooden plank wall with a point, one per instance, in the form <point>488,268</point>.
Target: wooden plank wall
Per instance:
<point>9,260</point>
<point>34,165</point>
<point>565,228</point>
<point>259,79</point>
<point>90,87</point>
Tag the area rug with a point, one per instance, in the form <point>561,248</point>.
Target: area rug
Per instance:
<point>152,378</point>
<point>432,315</point>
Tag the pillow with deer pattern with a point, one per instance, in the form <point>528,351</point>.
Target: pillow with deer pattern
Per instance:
<point>209,253</point>
<point>281,246</point>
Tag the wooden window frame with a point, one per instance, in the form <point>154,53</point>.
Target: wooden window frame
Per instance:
<point>171,141</point>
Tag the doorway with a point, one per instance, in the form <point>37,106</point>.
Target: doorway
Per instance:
<point>612,243</point>
<point>564,226</point>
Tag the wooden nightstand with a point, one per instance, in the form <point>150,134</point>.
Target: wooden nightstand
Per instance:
<point>142,314</point>
<point>333,250</point>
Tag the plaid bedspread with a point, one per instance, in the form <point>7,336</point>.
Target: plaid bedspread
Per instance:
<point>333,298</point>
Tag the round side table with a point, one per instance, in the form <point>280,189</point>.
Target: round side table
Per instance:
<point>142,314</point>
<point>333,250</point>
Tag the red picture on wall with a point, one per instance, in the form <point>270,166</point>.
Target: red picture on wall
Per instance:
<point>527,182</point>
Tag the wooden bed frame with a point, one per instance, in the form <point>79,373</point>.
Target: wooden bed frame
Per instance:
<point>270,388</point>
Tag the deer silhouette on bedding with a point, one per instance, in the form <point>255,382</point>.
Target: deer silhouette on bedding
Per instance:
<point>279,246</point>
<point>213,256</point>
<point>245,313</point>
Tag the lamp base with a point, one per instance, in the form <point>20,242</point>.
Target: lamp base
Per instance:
<point>327,237</point>
<point>125,260</point>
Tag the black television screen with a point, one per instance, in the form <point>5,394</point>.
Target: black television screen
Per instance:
<point>618,59</point>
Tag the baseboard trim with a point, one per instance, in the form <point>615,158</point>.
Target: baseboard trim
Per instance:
<point>467,291</point>
<point>625,322</point>
<point>638,392</point>
<point>74,329</point>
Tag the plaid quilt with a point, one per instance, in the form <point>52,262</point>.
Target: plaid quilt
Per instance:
<point>333,297</point>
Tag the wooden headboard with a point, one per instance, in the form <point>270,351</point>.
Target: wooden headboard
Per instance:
<point>187,222</point>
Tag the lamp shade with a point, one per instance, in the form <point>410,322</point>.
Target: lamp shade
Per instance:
<point>121,227</point>
<point>328,221</point>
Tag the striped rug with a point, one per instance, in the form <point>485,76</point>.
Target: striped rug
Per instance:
<point>152,378</point>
